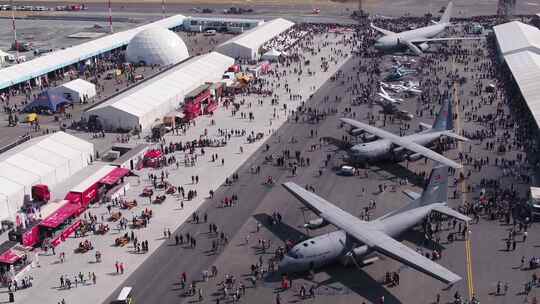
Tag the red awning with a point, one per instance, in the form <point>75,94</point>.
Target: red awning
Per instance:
<point>114,176</point>
<point>59,216</point>
<point>153,154</point>
<point>10,256</point>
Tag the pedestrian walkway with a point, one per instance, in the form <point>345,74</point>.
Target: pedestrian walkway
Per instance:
<point>170,215</point>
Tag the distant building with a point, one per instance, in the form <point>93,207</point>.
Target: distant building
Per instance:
<point>506,8</point>
<point>200,24</point>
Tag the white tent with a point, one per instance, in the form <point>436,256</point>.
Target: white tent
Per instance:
<point>75,90</point>
<point>515,36</point>
<point>62,58</point>
<point>248,44</point>
<point>49,159</point>
<point>140,106</point>
<point>271,55</point>
<point>3,57</point>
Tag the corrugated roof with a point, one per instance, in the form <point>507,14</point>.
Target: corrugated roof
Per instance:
<point>516,36</point>
<point>256,37</point>
<point>525,67</point>
<point>62,58</point>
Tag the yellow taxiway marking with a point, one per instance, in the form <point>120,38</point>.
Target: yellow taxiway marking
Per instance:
<point>470,283</point>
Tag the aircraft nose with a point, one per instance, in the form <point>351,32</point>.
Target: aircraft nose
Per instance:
<point>285,264</point>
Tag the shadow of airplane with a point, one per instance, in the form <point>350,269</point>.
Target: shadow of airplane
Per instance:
<point>394,168</point>
<point>351,279</point>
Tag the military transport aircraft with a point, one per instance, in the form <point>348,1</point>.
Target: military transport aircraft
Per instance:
<point>357,240</point>
<point>397,148</point>
<point>416,40</point>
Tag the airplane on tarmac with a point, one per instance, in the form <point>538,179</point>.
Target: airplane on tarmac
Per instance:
<point>385,96</point>
<point>399,73</point>
<point>416,40</point>
<point>358,241</point>
<point>391,109</point>
<point>411,147</point>
<point>407,87</point>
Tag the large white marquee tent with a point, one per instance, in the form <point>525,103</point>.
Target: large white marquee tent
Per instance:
<point>519,46</point>
<point>248,44</point>
<point>49,159</point>
<point>140,106</point>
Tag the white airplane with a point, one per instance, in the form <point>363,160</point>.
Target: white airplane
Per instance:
<point>384,95</point>
<point>415,40</point>
<point>407,87</point>
<point>357,241</point>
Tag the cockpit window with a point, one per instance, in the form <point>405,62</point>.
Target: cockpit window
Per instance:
<point>305,244</point>
<point>312,242</point>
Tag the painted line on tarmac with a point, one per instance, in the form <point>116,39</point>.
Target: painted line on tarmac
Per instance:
<point>468,255</point>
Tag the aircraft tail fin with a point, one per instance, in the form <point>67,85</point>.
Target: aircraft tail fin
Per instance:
<point>445,118</point>
<point>445,18</point>
<point>436,190</point>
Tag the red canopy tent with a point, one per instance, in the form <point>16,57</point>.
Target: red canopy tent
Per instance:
<point>115,175</point>
<point>59,216</point>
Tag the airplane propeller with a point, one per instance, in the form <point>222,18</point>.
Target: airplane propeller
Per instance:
<point>304,209</point>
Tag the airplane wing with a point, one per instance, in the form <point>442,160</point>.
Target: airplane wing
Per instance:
<point>383,31</point>
<point>421,40</point>
<point>416,50</point>
<point>399,141</point>
<point>370,236</point>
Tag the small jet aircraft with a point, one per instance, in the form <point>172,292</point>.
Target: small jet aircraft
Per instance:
<point>399,73</point>
<point>411,147</point>
<point>407,87</point>
<point>416,40</point>
<point>358,241</point>
<point>385,96</point>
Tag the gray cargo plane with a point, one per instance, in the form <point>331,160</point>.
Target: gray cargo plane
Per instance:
<point>415,40</point>
<point>411,147</point>
<point>357,241</point>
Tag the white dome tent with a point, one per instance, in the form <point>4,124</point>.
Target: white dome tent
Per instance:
<point>156,45</point>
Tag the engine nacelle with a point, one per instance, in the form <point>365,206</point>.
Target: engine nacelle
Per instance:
<point>359,252</point>
<point>423,46</point>
<point>356,132</point>
<point>316,223</point>
<point>369,137</point>
<point>414,157</point>
<point>398,150</point>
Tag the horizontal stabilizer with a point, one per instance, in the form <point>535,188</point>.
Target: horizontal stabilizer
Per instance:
<point>381,30</point>
<point>425,126</point>
<point>412,195</point>
<point>456,136</point>
<point>452,213</point>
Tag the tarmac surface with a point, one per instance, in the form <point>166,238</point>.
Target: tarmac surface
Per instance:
<point>481,261</point>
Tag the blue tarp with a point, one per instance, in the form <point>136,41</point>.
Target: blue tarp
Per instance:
<point>47,100</point>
